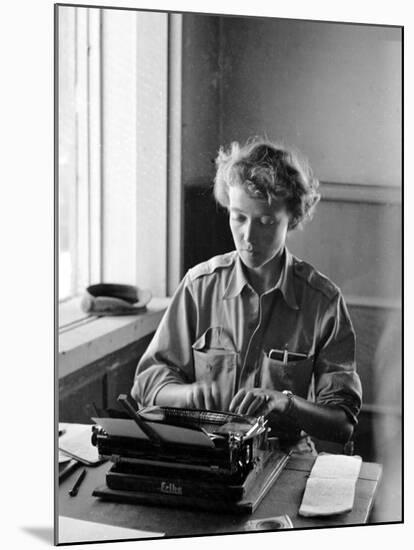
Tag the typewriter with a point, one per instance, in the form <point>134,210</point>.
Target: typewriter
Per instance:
<point>211,460</point>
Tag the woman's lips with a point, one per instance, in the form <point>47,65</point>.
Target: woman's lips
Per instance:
<point>250,250</point>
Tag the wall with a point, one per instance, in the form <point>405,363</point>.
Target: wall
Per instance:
<point>332,90</point>
<point>364,244</point>
<point>200,98</point>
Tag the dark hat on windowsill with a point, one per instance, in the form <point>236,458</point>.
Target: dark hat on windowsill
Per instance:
<point>115,299</point>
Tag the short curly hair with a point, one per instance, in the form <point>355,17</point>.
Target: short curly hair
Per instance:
<point>270,171</point>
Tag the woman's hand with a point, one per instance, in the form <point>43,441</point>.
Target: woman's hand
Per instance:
<point>258,401</point>
<point>199,395</point>
<point>203,395</point>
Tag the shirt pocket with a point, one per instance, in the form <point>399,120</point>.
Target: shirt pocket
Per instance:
<point>294,376</point>
<point>215,361</point>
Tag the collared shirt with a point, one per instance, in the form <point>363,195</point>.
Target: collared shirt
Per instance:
<point>217,328</point>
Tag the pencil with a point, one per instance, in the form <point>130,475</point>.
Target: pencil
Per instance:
<point>74,491</point>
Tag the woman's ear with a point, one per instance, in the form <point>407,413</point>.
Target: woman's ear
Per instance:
<point>292,224</point>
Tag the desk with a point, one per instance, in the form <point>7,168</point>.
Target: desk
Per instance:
<point>283,498</point>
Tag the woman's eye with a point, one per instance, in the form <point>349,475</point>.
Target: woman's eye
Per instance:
<point>267,220</point>
<point>236,217</point>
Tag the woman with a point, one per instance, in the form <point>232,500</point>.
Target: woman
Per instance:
<point>257,331</point>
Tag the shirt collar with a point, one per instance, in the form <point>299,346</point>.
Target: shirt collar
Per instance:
<point>238,281</point>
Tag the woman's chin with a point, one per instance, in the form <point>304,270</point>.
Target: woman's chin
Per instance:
<point>256,261</point>
<point>252,260</point>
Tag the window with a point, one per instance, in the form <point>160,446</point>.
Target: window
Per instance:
<point>118,148</point>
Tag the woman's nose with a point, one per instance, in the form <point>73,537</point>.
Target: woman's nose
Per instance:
<point>248,233</point>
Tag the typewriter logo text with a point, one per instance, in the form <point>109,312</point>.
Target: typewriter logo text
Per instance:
<point>171,488</point>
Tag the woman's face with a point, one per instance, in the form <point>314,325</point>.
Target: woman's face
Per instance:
<point>259,230</point>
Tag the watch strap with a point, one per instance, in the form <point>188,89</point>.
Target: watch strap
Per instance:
<point>291,405</point>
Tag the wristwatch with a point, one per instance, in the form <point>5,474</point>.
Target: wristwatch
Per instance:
<point>291,404</point>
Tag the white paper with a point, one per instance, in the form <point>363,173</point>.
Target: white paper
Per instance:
<point>63,458</point>
<point>78,530</point>
<point>78,444</point>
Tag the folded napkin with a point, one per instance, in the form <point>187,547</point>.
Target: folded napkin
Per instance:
<point>330,488</point>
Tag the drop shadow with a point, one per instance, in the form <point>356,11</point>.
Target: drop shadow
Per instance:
<point>43,533</point>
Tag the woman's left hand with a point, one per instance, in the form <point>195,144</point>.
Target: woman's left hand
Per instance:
<point>258,401</point>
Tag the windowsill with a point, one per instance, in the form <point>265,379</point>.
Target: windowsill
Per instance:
<point>88,339</point>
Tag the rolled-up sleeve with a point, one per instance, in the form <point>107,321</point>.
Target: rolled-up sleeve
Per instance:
<point>336,380</point>
<point>168,359</point>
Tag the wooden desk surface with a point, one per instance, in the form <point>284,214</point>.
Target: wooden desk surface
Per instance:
<point>284,498</point>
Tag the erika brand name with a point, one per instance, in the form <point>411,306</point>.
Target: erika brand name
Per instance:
<point>171,488</point>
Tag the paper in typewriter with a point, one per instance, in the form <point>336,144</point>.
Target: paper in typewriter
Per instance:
<point>330,488</point>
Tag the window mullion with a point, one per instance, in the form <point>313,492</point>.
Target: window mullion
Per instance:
<point>82,154</point>
<point>95,144</point>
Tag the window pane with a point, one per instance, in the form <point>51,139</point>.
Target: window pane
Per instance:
<point>74,153</point>
<point>67,152</point>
